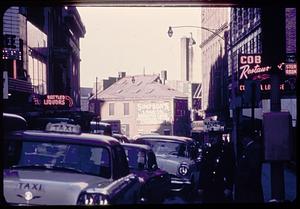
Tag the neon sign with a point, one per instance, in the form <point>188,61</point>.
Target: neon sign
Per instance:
<point>246,70</point>
<point>58,100</point>
<point>53,100</point>
<point>291,69</point>
<point>250,68</point>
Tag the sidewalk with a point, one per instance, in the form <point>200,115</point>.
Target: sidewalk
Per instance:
<point>290,180</point>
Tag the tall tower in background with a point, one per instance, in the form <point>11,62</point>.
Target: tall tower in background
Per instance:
<point>186,48</point>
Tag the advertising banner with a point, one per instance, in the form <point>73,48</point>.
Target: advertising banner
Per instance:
<point>153,112</point>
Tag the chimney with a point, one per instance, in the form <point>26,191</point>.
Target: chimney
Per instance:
<point>163,76</point>
<point>122,74</point>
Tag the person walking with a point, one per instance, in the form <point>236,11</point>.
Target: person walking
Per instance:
<point>248,185</point>
<point>216,170</point>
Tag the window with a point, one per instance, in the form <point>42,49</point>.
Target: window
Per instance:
<point>37,62</point>
<point>111,108</point>
<point>161,147</point>
<point>57,156</point>
<point>120,160</point>
<point>126,108</point>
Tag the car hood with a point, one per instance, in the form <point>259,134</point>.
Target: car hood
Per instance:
<point>47,187</point>
<point>146,175</point>
<point>170,163</point>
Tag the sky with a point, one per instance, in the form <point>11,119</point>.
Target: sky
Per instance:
<point>133,40</point>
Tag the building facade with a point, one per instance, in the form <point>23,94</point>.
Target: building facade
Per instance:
<point>41,55</point>
<point>193,93</point>
<point>144,105</point>
<point>246,38</point>
<point>85,94</point>
<point>214,42</point>
<point>18,86</point>
<point>257,32</point>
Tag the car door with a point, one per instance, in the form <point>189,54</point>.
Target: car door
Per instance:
<point>128,184</point>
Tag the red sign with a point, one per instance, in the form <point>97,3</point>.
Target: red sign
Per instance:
<point>291,69</point>
<point>53,100</point>
<point>250,68</point>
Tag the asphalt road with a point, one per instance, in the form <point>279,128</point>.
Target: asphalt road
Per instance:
<point>177,199</point>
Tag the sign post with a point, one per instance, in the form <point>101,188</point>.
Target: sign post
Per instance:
<point>5,85</point>
<point>274,50</point>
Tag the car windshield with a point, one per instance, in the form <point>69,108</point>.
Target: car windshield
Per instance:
<point>86,159</point>
<point>136,158</point>
<point>163,147</point>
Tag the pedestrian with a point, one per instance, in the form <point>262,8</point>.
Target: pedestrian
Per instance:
<point>216,170</point>
<point>248,186</point>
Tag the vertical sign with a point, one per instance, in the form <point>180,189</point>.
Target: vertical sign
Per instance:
<point>5,85</point>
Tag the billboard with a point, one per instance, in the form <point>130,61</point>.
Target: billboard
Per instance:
<point>153,112</point>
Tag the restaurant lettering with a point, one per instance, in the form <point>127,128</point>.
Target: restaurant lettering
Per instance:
<point>246,70</point>
<point>251,68</point>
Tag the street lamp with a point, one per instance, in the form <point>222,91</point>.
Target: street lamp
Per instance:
<point>214,31</point>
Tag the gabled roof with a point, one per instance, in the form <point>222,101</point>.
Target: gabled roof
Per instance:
<point>139,87</point>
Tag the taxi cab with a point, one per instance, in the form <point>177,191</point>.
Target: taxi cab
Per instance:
<point>62,166</point>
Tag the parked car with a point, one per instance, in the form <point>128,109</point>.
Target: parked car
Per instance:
<point>62,166</point>
<point>178,156</point>
<point>155,182</point>
<point>98,127</point>
<point>13,122</point>
<point>121,138</point>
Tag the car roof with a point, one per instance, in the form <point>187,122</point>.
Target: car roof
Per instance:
<point>83,138</point>
<point>99,123</point>
<point>13,122</point>
<point>165,137</point>
<point>140,146</point>
<point>118,135</point>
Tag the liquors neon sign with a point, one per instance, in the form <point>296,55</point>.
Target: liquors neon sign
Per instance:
<point>53,100</point>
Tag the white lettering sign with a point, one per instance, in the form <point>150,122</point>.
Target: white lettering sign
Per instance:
<point>246,70</point>
<point>153,113</point>
<point>63,128</point>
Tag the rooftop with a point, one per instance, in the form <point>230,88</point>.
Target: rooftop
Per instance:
<point>139,87</point>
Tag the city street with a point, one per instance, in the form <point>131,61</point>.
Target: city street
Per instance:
<point>140,102</point>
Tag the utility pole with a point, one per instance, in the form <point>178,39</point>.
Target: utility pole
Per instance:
<point>253,100</point>
<point>96,102</point>
<point>273,45</point>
